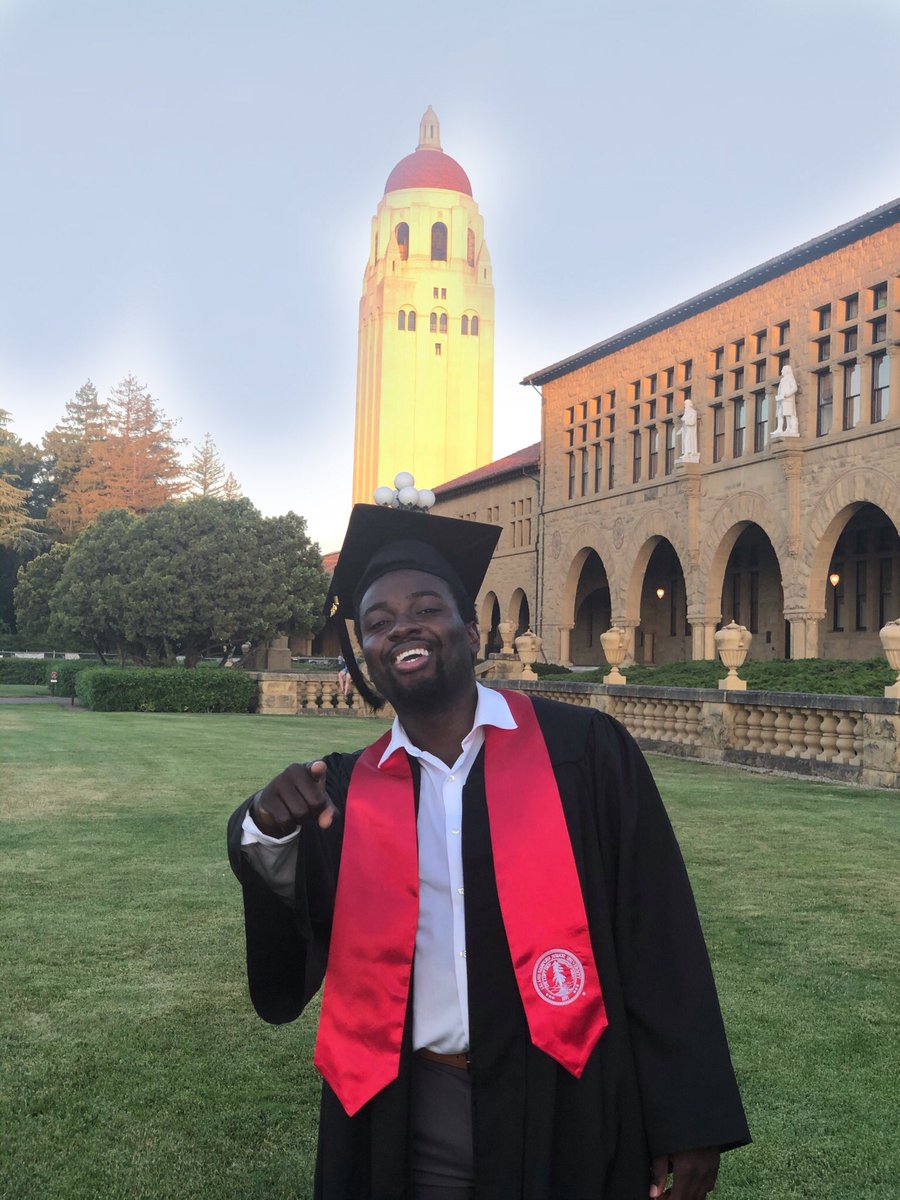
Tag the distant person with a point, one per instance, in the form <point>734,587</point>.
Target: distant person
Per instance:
<point>518,1002</point>
<point>343,676</point>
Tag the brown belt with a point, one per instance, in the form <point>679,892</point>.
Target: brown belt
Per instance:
<point>461,1061</point>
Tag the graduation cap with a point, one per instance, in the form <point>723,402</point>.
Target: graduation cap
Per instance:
<point>379,540</point>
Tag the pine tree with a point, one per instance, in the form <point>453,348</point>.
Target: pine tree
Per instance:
<point>18,529</point>
<point>206,475</point>
<point>231,489</point>
<point>70,448</point>
<point>136,466</point>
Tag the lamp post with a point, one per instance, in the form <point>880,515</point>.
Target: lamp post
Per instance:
<point>404,494</point>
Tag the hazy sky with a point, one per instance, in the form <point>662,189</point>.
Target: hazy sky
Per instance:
<point>187,187</point>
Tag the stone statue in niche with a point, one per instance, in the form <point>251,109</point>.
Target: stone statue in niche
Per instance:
<point>687,432</point>
<point>786,424</point>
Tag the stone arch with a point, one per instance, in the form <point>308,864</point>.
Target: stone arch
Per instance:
<point>729,522</point>
<point>488,620</point>
<point>831,512</point>
<point>646,535</point>
<point>519,610</point>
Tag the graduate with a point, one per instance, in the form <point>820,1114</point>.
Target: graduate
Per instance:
<point>518,1002</point>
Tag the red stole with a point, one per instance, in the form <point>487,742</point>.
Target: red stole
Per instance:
<point>376,912</point>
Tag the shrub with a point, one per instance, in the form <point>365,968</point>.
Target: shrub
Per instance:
<point>67,671</point>
<point>23,670</point>
<point>543,669</point>
<point>166,689</point>
<point>813,676</point>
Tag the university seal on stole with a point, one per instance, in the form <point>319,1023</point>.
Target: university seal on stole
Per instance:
<point>558,977</point>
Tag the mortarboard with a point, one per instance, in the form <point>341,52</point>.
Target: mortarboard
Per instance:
<point>381,539</point>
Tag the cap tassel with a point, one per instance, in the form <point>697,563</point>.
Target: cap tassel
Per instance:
<point>371,698</point>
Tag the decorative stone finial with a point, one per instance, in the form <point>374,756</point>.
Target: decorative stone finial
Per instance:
<point>429,131</point>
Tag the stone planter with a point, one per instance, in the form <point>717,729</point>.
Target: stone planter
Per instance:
<point>528,646</point>
<point>506,629</point>
<point>890,640</point>
<point>615,643</point>
<point>732,644</point>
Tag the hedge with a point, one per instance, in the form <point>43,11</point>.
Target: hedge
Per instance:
<point>166,689</point>
<point>23,670</point>
<point>67,671</point>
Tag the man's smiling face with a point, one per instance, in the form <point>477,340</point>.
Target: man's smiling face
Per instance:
<point>418,649</point>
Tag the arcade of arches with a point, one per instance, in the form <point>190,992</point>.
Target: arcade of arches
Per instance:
<point>847,593</point>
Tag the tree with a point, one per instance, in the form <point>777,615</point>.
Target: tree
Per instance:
<point>68,450</point>
<point>20,530</point>
<point>34,590</point>
<point>193,579</point>
<point>205,474</point>
<point>92,596</point>
<point>136,465</point>
<point>231,489</point>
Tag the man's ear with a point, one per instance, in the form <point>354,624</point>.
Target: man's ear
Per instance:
<point>474,636</point>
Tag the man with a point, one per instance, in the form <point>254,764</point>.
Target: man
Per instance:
<point>518,1001</point>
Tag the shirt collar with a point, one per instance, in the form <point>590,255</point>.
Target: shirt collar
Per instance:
<point>490,709</point>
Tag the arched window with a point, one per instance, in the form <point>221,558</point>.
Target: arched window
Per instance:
<point>443,323</point>
<point>402,232</point>
<point>439,242</point>
<point>401,319</point>
<point>464,324</point>
<point>432,323</point>
<point>470,247</point>
<point>411,322</point>
<point>473,327</point>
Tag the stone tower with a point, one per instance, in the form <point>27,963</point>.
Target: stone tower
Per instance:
<point>425,372</point>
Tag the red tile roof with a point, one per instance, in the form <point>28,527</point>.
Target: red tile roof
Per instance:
<point>512,464</point>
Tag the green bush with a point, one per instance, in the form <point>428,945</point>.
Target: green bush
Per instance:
<point>543,669</point>
<point>67,671</point>
<point>166,689</point>
<point>23,670</point>
<point>812,676</point>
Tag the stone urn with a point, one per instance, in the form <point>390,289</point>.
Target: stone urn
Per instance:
<point>732,644</point>
<point>890,640</point>
<point>615,643</point>
<point>507,630</point>
<point>528,646</point>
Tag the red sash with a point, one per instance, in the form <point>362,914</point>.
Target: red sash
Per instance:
<point>376,912</point>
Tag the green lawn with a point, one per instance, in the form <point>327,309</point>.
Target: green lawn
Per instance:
<point>134,1066</point>
<point>24,689</point>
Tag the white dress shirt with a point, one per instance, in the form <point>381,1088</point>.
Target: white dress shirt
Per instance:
<point>440,1002</point>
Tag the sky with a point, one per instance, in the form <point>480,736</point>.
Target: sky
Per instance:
<point>186,189</point>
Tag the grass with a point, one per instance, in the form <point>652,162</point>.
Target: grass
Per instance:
<point>135,1068</point>
<point>12,690</point>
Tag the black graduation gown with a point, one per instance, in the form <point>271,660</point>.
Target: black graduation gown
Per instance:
<point>660,1079</point>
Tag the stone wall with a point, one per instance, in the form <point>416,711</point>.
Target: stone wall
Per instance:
<point>854,739</point>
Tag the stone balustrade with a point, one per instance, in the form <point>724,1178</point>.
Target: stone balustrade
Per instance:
<point>309,694</point>
<point>855,739</point>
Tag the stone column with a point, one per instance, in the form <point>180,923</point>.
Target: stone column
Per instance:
<point>703,637</point>
<point>483,635</point>
<point>804,632</point>
<point>565,645</point>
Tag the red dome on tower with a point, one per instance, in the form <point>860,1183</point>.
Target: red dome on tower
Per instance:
<point>428,166</point>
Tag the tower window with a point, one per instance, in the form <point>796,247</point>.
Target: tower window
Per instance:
<point>432,323</point>
<point>411,322</point>
<point>443,323</point>
<point>401,319</point>
<point>470,248</point>
<point>473,326</point>
<point>439,242</point>
<point>464,324</point>
<point>402,232</point>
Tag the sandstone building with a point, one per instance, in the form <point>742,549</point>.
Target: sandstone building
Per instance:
<point>425,371</point>
<point>606,522</point>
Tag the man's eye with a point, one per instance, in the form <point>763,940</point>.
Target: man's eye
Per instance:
<point>374,625</point>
